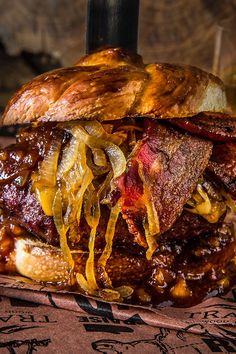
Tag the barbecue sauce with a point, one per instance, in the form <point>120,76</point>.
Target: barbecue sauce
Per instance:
<point>182,271</point>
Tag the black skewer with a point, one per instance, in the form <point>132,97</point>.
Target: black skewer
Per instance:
<point>112,23</point>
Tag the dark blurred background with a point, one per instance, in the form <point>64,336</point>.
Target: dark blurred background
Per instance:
<point>39,35</point>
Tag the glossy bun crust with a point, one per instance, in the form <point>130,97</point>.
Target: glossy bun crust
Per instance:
<point>110,85</point>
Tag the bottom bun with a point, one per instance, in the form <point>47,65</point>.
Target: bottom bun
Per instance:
<point>41,262</point>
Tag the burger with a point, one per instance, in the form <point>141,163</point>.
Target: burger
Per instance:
<point>121,183</point>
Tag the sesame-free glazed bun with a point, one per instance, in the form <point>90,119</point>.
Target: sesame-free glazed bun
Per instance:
<point>110,85</point>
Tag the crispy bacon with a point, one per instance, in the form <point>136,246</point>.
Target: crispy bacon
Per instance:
<point>222,166</point>
<point>171,163</point>
<point>216,127</point>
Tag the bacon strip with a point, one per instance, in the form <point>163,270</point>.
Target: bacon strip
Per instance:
<point>171,163</point>
<point>213,126</point>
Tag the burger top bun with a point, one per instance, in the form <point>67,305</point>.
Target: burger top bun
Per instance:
<point>111,84</point>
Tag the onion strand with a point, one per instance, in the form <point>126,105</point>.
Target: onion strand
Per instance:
<point>151,225</point>
<point>110,231</point>
<point>72,183</point>
<point>44,182</point>
<point>61,229</point>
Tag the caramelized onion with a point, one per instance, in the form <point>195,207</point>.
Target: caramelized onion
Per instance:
<point>88,177</point>
<point>97,170</point>
<point>48,169</point>
<point>67,188</point>
<point>125,291</point>
<point>115,154</point>
<point>44,182</point>
<point>76,183</point>
<point>89,285</point>
<point>151,226</point>
<point>116,294</point>
<point>110,231</point>
<point>69,157</point>
<point>95,128</point>
<point>110,295</point>
<point>61,229</point>
<point>201,203</point>
<point>46,197</point>
<point>99,157</point>
<point>92,216</point>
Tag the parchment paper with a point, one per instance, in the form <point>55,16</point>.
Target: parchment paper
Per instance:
<point>35,317</point>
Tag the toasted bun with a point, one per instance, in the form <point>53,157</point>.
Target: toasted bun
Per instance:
<point>110,85</point>
<point>40,262</point>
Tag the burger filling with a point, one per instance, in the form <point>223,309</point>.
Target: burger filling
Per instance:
<point>142,202</point>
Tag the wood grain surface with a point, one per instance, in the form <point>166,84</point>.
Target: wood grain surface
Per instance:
<point>170,30</point>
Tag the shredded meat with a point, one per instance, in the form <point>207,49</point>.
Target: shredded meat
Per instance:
<point>22,206</point>
<point>192,254</point>
<point>222,166</point>
<point>17,162</point>
<point>172,162</point>
<point>158,151</point>
<point>19,201</point>
<point>26,211</point>
<point>190,225</point>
